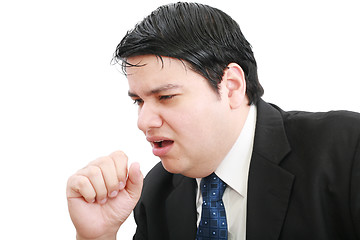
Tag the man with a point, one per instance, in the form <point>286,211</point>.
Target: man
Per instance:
<point>286,175</point>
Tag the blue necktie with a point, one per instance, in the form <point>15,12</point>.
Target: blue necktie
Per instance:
<point>213,218</point>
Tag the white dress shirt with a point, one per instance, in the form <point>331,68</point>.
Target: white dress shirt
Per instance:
<point>234,171</point>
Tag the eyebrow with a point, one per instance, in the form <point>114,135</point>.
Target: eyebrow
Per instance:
<point>157,90</point>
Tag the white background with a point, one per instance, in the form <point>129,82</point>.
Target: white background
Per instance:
<point>62,104</point>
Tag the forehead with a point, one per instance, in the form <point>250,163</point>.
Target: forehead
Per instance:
<point>153,64</point>
<point>153,74</point>
<point>149,71</point>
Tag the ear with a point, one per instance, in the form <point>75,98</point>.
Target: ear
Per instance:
<point>234,81</point>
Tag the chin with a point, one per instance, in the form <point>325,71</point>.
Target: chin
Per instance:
<point>171,165</point>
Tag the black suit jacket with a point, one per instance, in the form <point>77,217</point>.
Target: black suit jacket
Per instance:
<point>304,182</point>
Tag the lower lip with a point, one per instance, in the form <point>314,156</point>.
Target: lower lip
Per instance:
<point>162,151</point>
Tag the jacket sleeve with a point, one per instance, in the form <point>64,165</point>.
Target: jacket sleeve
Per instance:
<point>355,190</point>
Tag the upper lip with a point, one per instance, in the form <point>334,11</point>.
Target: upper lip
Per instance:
<point>157,139</point>
<point>154,139</point>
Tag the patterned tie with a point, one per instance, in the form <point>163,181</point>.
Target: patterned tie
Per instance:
<point>213,218</point>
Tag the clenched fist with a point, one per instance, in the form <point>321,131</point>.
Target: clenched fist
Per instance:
<point>102,195</point>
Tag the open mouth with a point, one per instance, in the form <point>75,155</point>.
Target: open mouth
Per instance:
<point>161,146</point>
<point>162,143</point>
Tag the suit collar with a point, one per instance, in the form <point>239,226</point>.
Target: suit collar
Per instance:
<point>269,186</point>
<point>270,137</point>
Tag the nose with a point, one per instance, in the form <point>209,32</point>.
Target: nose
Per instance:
<point>148,117</point>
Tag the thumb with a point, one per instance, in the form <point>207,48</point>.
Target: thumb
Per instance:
<point>134,182</point>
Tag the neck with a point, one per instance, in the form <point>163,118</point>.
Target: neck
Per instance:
<point>235,125</point>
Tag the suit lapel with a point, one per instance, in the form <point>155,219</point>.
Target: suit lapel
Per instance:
<point>269,186</point>
<point>181,209</point>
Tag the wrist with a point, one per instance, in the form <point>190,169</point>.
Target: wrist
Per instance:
<point>98,238</point>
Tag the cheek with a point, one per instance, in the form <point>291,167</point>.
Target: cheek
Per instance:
<point>193,126</point>
<point>196,119</point>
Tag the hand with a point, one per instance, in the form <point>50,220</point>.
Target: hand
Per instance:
<point>102,195</point>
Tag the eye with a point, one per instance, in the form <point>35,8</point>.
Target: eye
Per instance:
<point>166,97</point>
<point>138,101</point>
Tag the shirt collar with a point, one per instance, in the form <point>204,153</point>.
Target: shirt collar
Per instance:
<point>234,169</point>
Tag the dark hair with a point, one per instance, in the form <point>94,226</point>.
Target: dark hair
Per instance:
<point>204,37</point>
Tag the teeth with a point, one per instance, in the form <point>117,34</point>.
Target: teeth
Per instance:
<point>159,143</point>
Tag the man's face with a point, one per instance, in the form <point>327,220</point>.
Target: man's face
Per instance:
<point>183,118</point>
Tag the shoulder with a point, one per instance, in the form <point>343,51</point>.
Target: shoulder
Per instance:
<point>326,119</point>
<point>313,132</point>
<point>328,124</point>
<point>326,138</point>
<point>302,127</point>
<point>335,125</point>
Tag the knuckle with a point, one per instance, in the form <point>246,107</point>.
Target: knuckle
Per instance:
<point>106,161</point>
<point>82,182</point>
<point>93,171</point>
<point>100,160</point>
<point>71,180</point>
<point>120,155</point>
